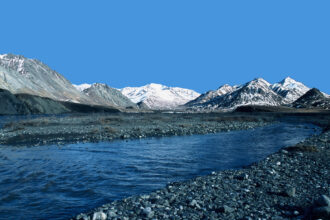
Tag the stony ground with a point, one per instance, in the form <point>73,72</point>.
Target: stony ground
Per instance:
<point>106,127</point>
<point>293,183</point>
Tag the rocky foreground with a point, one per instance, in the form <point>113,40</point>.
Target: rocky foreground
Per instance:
<point>293,183</point>
<point>106,127</point>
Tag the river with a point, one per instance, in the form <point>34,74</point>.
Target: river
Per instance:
<point>58,182</point>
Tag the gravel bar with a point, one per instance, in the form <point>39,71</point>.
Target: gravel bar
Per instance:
<point>106,127</point>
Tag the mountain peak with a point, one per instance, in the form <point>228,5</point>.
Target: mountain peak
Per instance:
<point>155,86</point>
<point>224,86</point>
<point>288,80</point>
<point>2,56</point>
<point>10,56</point>
<point>99,85</point>
<point>258,81</point>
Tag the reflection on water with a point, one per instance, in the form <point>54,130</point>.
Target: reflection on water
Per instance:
<point>58,182</point>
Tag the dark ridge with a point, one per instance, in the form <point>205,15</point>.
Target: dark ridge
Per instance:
<point>312,99</point>
<point>83,108</point>
<point>259,108</point>
<point>26,104</point>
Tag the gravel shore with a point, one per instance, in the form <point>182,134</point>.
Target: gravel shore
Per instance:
<point>293,183</point>
<point>106,127</point>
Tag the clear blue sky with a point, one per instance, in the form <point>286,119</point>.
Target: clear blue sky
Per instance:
<point>193,44</point>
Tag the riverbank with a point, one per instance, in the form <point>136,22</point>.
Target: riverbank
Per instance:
<point>59,130</point>
<point>285,185</point>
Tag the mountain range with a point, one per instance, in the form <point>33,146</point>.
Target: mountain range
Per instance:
<point>256,92</point>
<point>20,75</point>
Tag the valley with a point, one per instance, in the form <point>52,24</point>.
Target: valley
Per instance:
<point>41,112</point>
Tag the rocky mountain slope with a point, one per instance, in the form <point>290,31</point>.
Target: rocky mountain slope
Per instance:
<point>22,75</point>
<point>105,95</point>
<point>312,99</point>
<point>222,90</point>
<point>157,96</point>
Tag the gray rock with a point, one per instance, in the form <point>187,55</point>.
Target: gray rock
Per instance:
<point>227,209</point>
<point>111,214</point>
<point>99,216</point>
<point>83,217</point>
<point>193,203</point>
<point>323,201</point>
<point>148,212</point>
<point>243,176</point>
<point>290,192</point>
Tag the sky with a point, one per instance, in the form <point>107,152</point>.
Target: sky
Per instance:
<point>199,45</point>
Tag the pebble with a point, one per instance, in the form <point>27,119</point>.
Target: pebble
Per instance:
<point>99,216</point>
<point>227,209</point>
<point>290,192</point>
<point>148,212</point>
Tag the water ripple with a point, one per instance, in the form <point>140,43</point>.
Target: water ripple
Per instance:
<point>52,182</point>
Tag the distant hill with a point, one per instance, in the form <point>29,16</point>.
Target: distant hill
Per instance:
<point>105,95</point>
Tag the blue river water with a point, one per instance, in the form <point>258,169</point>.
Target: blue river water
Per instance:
<point>58,182</point>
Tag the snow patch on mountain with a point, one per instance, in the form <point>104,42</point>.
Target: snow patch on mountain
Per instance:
<point>82,87</point>
<point>2,56</point>
<point>157,96</point>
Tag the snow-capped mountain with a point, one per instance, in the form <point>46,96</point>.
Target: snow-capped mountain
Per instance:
<point>22,75</point>
<point>105,95</point>
<point>255,92</point>
<point>157,96</point>
<point>222,90</point>
<point>290,89</point>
